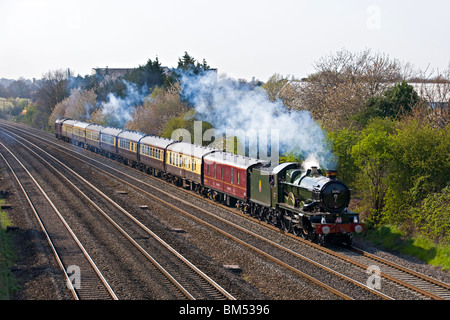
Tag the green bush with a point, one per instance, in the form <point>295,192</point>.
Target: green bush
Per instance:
<point>372,154</point>
<point>420,166</point>
<point>7,281</point>
<point>399,171</point>
<point>432,218</point>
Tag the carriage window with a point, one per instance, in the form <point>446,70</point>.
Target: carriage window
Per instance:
<point>238,178</point>
<point>222,173</point>
<point>215,169</point>
<point>231,175</point>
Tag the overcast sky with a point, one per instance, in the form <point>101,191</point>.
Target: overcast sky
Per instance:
<point>242,38</point>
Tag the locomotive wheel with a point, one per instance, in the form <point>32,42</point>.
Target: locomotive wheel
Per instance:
<point>256,212</point>
<point>262,216</point>
<point>348,241</point>
<point>309,234</point>
<point>266,216</point>
<point>296,230</point>
<point>285,224</point>
<point>321,239</point>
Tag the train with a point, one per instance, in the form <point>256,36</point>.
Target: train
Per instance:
<point>307,202</point>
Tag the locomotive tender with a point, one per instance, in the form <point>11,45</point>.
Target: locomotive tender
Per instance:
<point>298,200</point>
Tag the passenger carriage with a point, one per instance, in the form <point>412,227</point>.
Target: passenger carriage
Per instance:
<point>79,133</point>
<point>93,137</point>
<point>127,147</point>
<point>152,154</point>
<point>184,164</point>
<point>108,142</point>
<point>58,127</point>
<point>67,130</point>
<point>227,175</point>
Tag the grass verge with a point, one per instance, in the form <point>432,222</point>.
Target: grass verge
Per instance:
<point>391,237</point>
<point>7,280</point>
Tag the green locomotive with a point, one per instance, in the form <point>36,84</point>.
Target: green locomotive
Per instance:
<point>304,202</point>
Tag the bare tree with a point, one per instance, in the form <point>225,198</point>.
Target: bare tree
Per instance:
<point>79,106</point>
<point>274,85</point>
<point>157,111</point>
<point>51,89</point>
<point>434,88</point>
<point>343,82</point>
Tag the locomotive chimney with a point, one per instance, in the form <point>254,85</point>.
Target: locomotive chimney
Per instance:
<point>331,174</point>
<point>313,170</point>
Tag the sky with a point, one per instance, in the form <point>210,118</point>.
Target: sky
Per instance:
<point>241,38</point>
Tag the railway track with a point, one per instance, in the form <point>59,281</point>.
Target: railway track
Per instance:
<point>406,279</point>
<point>424,285</point>
<point>71,256</point>
<point>273,246</point>
<point>191,282</point>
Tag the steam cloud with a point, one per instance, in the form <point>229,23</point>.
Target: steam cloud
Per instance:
<point>121,108</point>
<point>229,105</point>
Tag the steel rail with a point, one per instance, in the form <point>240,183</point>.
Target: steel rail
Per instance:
<point>142,250</point>
<point>326,250</point>
<point>242,229</point>
<point>74,237</point>
<point>344,296</point>
<point>338,293</point>
<point>407,271</point>
<point>44,230</point>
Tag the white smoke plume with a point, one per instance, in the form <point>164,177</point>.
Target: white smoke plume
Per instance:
<point>231,106</point>
<point>118,109</point>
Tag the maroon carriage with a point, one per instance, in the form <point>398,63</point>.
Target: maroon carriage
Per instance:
<point>227,176</point>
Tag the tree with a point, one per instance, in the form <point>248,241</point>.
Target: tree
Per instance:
<point>342,142</point>
<point>19,89</point>
<point>188,62</point>
<point>434,88</point>
<point>51,89</point>
<point>372,154</point>
<point>432,218</point>
<point>343,82</point>
<point>156,111</point>
<point>396,101</point>
<point>420,166</point>
<point>186,121</point>
<point>274,85</point>
<point>78,106</point>
<point>148,75</point>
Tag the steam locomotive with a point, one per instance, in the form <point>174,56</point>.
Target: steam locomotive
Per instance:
<point>300,200</point>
